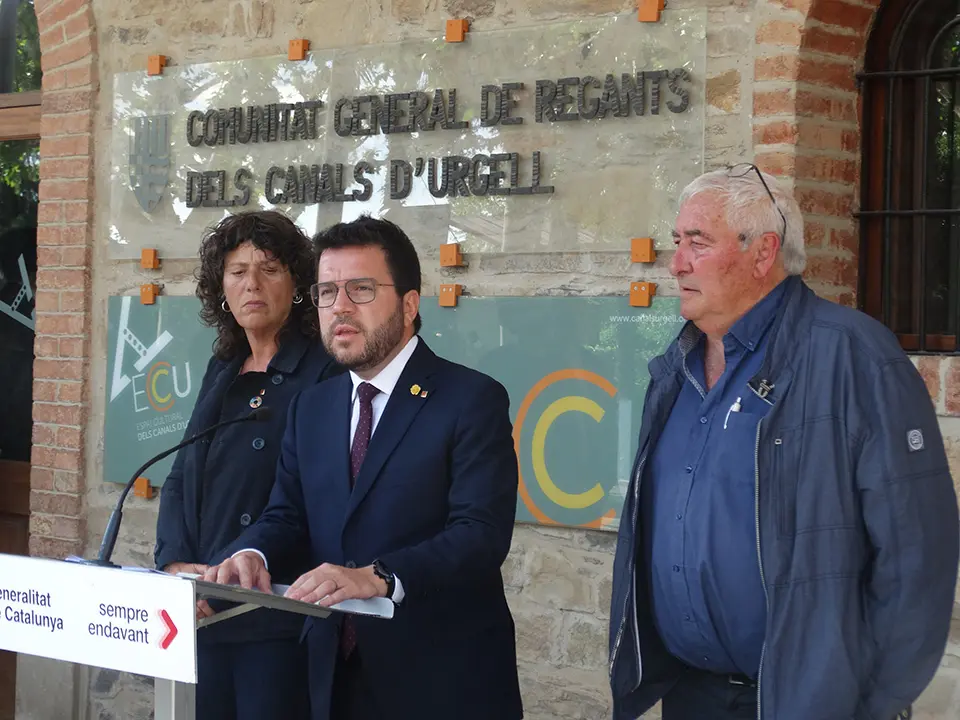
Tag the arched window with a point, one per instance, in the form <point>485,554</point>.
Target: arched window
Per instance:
<point>19,47</point>
<point>910,216</point>
<point>20,79</point>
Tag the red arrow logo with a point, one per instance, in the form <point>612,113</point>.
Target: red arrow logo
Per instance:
<point>171,630</point>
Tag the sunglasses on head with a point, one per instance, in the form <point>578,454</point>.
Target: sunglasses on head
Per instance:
<point>744,169</point>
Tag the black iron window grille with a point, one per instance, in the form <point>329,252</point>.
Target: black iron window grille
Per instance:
<point>910,216</point>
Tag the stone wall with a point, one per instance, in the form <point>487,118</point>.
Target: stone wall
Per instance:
<point>559,581</point>
<point>780,84</point>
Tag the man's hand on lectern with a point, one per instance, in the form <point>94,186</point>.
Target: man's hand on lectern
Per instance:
<point>247,568</point>
<point>331,584</point>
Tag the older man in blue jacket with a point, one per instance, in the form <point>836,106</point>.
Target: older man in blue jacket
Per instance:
<point>789,544</point>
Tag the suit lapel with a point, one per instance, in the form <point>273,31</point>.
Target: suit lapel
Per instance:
<point>398,415</point>
<point>210,409</point>
<point>338,437</point>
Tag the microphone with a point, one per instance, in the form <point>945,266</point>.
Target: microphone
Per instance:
<point>113,526</point>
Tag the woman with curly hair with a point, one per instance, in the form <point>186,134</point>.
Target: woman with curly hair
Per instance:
<point>255,273</point>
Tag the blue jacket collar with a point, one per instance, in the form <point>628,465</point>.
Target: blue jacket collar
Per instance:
<point>749,330</point>
<point>786,310</point>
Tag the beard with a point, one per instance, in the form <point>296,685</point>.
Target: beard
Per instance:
<point>377,344</point>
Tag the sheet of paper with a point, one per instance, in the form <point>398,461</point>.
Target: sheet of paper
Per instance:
<point>377,607</point>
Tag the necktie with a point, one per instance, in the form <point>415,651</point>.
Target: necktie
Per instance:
<point>361,440</point>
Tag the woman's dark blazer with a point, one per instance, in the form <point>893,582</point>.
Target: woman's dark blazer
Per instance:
<point>231,496</point>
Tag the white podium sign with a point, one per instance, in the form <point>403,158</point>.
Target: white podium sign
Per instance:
<point>122,619</point>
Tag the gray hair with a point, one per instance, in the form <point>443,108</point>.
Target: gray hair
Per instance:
<point>750,212</point>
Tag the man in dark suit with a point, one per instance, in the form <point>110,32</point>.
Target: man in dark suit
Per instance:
<point>401,477</point>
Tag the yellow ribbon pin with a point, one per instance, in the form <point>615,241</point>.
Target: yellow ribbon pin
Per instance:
<point>415,390</point>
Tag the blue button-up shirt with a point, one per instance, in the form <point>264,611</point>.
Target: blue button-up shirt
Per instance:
<point>698,508</point>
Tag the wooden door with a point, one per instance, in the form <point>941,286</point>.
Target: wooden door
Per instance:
<point>20,93</point>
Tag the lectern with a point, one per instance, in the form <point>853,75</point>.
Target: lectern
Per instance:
<point>133,619</point>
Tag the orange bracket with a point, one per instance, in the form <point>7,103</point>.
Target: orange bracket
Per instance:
<point>457,30</point>
<point>149,259</point>
<point>143,488</point>
<point>641,293</point>
<point>449,295</point>
<point>298,49</point>
<point>450,255</point>
<point>155,64</point>
<point>641,250</point>
<point>149,293</point>
<point>649,10</point>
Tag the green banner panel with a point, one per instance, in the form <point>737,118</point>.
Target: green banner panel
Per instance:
<point>156,358</point>
<point>575,370</point>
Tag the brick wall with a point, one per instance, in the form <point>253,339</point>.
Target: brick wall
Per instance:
<point>942,375</point>
<point>61,378</point>
<point>806,126</point>
<point>798,81</point>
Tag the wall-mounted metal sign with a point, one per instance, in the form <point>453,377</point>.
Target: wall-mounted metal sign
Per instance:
<point>555,138</point>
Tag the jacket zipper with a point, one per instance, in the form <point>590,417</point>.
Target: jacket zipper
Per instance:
<point>763,582</point>
<point>633,577</point>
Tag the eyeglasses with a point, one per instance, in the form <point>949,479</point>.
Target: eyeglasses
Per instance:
<point>359,290</point>
<point>741,170</point>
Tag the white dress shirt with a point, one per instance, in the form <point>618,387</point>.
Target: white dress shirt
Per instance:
<point>386,382</point>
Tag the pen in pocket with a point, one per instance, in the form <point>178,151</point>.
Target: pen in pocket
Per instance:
<point>733,408</point>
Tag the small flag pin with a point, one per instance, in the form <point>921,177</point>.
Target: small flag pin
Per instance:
<point>423,394</point>
<point>415,390</point>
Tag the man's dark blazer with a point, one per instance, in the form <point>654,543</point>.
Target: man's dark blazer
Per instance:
<point>224,498</point>
<point>435,500</point>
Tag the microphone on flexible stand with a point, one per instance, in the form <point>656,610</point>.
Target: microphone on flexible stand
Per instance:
<point>113,526</point>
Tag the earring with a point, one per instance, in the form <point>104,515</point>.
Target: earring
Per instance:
<point>223,306</point>
<point>297,299</point>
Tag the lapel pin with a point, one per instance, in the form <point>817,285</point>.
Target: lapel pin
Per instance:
<point>423,394</point>
<point>414,389</point>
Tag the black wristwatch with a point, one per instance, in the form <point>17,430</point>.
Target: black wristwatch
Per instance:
<point>381,571</point>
